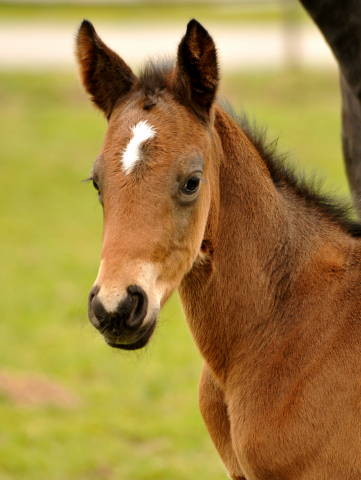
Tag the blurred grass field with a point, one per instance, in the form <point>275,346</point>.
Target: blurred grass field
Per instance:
<point>161,11</point>
<point>125,416</point>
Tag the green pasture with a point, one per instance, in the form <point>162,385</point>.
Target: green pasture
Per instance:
<point>71,408</point>
<point>161,11</point>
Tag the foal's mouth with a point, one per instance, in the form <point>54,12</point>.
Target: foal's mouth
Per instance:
<point>137,341</point>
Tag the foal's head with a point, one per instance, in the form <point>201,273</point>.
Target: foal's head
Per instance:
<point>154,177</point>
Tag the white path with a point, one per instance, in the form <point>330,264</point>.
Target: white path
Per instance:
<point>32,45</point>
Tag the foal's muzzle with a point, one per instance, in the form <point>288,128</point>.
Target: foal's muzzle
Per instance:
<point>123,327</point>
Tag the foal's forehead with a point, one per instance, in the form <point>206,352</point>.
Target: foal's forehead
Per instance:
<point>136,135</point>
<point>165,115</point>
<point>131,155</point>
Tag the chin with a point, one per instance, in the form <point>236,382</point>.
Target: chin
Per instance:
<point>140,339</point>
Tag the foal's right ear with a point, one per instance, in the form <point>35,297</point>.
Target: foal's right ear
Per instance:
<point>104,74</point>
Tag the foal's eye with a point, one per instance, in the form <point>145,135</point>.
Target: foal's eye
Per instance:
<point>95,185</point>
<point>192,185</point>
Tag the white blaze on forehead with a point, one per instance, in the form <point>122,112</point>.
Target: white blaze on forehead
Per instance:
<point>131,155</point>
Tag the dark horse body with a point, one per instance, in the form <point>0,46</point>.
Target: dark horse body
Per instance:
<point>268,272</point>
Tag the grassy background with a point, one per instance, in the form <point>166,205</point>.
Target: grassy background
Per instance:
<point>70,407</point>
<point>148,11</point>
<point>134,416</point>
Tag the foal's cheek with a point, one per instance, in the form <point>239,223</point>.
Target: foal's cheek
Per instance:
<point>196,227</point>
<point>202,215</point>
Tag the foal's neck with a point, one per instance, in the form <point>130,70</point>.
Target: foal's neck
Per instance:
<point>231,302</point>
<point>226,298</point>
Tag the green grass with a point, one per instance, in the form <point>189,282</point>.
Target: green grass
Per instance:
<point>136,417</point>
<point>152,11</point>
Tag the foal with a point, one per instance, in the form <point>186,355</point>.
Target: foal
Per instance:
<point>268,272</point>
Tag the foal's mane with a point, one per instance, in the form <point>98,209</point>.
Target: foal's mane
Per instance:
<point>156,77</point>
<point>284,174</point>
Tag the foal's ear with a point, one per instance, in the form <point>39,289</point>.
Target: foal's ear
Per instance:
<point>104,74</point>
<point>196,74</point>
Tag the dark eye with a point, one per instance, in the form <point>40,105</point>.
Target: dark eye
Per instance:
<point>95,185</point>
<point>192,185</point>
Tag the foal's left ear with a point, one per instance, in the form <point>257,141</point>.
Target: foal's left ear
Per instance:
<point>104,74</point>
<point>196,74</point>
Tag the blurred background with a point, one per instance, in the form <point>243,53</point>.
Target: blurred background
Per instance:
<point>71,408</point>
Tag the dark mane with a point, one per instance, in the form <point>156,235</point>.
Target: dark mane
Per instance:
<point>284,175</point>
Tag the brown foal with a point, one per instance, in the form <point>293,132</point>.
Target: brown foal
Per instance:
<point>268,272</point>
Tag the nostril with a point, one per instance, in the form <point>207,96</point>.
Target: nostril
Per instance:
<point>137,298</point>
<point>139,306</point>
<point>93,292</point>
<point>95,308</point>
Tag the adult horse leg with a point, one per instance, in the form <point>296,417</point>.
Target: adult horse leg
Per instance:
<point>340,23</point>
<point>214,412</point>
<point>351,140</point>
